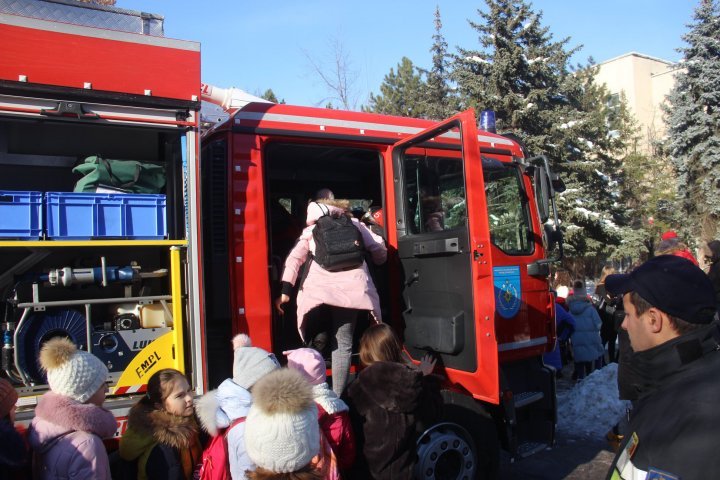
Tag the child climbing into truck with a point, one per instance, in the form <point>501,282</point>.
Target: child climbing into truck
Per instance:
<point>346,291</point>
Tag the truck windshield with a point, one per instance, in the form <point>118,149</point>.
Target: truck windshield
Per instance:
<point>510,229</point>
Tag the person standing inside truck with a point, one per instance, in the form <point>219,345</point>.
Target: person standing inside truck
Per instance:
<point>671,318</point>
<point>346,292</point>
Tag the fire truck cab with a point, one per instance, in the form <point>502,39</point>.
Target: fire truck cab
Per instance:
<point>463,216</point>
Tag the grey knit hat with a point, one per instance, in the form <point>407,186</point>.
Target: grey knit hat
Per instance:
<point>250,363</point>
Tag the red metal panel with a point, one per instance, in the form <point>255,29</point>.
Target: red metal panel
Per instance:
<point>322,121</point>
<point>69,60</point>
<point>250,285</point>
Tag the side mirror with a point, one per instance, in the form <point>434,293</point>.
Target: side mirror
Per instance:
<point>547,184</point>
<point>542,192</point>
<point>554,237</point>
<point>557,182</point>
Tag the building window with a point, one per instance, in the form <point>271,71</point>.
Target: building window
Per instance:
<point>613,106</point>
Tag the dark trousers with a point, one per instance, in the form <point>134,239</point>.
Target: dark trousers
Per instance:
<point>583,369</point>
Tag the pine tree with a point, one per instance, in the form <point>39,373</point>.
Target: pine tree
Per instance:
<point>400,93</point>
<point>522,74</point>
<point>269,95</point>
<point>439,99</point>
<point>693,116</point>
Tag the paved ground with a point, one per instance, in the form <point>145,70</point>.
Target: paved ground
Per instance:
<point>574,458</point>
<point>571,458</point>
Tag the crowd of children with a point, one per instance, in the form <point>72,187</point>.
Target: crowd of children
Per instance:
<point>266,422</point>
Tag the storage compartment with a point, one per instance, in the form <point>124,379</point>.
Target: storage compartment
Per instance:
<point>40,156</point>
<point>20,215</point>
<point>78,216</point>
<point>92,251</point>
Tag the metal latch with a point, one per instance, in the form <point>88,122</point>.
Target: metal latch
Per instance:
<point>70,109</point>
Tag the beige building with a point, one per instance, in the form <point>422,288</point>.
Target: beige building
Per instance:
<point>645,81</point>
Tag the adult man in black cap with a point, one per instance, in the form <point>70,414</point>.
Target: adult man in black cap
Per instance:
<point>670,316</point>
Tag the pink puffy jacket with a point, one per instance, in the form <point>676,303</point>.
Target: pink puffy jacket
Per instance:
<point>349,289</point>
<point>66,437</point>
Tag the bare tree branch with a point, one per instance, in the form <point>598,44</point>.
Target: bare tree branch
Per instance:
<point>338,77</point>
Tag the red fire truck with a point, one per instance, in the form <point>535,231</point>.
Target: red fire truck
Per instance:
<point>472,289</point>
<point>474,292</point>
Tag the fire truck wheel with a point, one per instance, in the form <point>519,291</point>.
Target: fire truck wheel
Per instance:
<point>461,409</point>
<point>446,451</point>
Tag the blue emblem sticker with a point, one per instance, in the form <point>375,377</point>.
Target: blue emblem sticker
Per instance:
<point>507,290</point>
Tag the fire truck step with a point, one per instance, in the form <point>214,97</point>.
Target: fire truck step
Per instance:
<point>530,448</point>
<point>526,398</point>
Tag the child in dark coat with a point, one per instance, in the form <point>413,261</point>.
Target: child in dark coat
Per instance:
<point>393,403</point>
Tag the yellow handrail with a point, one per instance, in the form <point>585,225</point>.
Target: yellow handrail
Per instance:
<point>177,308</point>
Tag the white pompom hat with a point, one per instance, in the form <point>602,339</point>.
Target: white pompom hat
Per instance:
<point>282,433</point>
<point>71,372</point>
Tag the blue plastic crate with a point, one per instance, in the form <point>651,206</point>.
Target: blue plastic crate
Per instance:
<point>20,215</point>
<point>80,216</point>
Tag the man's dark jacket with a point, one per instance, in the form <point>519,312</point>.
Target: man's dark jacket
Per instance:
<point>677,414</point>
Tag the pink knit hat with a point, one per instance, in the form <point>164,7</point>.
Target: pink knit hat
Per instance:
<point>8,397</point>
<point>309,363</point>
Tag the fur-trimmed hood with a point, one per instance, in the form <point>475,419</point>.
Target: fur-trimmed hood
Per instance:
<point>162,427</point>
<point>218,408</point>
<point>392,386</point>
<point>57,414</point>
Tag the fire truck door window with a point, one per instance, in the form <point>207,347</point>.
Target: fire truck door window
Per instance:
<point>507,209</point>
<point>434,193</point>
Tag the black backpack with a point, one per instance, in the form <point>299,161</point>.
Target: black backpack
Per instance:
<point>338,242</point>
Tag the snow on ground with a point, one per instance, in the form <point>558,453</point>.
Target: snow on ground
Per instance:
<point>591,407</point>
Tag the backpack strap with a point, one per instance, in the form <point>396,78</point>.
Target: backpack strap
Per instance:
<point>326,210</point>
<point>237,421</point>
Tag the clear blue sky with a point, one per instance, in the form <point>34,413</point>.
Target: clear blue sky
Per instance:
<point>255,45</point>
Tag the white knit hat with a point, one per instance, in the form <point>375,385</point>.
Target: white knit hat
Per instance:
<point>71,372</point>
<point>282,434</point>
<point>250,363</point>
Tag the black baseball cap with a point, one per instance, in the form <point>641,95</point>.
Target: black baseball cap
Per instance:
<point>671,284</point>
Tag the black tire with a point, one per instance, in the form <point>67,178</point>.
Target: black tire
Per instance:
<point>446,451</point>
<point>476,420</point>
